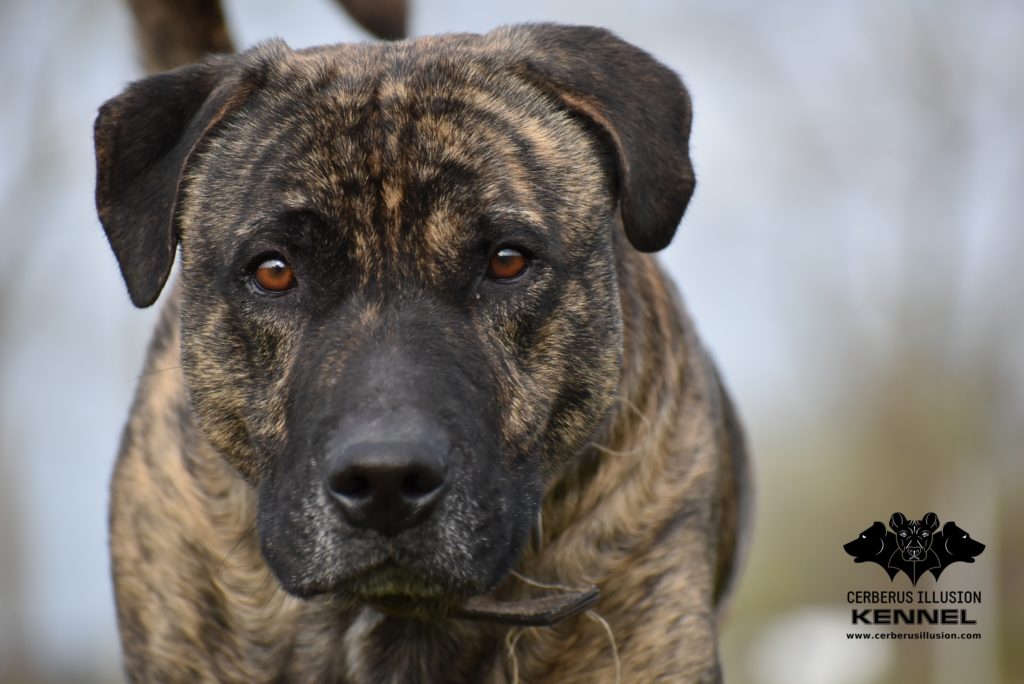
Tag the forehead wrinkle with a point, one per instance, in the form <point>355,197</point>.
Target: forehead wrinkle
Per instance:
<point>445,136</point>
<point>329,168</point>
<point>444,233</point>
<point>428,253</point>
<point>549,138</point>
<point>378,96</point>
<point>511,173</point>
<point>462,135</point>
<point>524,215</point>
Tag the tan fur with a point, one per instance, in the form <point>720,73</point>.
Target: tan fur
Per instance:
<point>646,505</point>
<point>658,476</point>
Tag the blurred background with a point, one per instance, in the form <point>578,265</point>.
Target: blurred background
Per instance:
<point>853,258</point>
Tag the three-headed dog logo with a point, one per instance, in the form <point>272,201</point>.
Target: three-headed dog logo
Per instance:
<point>913,547</point>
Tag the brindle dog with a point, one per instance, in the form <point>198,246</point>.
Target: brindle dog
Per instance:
<point>415,322</point>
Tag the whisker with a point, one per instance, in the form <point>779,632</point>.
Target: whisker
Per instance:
<point>641,438</point>
<point>615,452</point>
<point>154,372</point>
<point>537,533</point>
<point>541,585</point>
<point>250,528</point>
<point>511,639</point>
<point>640,414</point>
<point>592,614</point>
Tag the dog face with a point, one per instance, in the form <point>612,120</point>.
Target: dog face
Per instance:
<point>870,544</point>
<point>957,544</point>
<point>399,293</point>
<point>914,537</point>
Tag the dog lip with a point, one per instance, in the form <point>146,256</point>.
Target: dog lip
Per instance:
<point>400,592</point>
<point>395,584</point>
<point>537,612</point>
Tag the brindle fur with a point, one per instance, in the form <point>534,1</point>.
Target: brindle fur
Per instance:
<point>393,160</point>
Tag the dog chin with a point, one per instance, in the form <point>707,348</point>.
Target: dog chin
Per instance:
<point>392,581</point>
<point>401,592</point>
<point>390,587</point>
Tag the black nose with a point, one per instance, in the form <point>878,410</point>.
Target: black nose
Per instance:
<point>387,486</point>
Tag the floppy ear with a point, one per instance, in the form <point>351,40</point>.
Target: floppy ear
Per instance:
<point>640,107</point>
<point>144,140</point>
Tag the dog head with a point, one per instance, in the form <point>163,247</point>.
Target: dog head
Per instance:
<point>399,311</point>
<point>914,537</point>
<point>870,544</point>
<point>957,544</point>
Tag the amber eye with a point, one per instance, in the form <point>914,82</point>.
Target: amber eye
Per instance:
<point>274,275</point>
<point>507,263</point>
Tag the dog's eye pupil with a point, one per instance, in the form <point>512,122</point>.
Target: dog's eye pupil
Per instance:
<point>507,263</point>
<point>274,275</point>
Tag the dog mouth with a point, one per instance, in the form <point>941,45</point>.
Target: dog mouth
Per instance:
<point>401,593</point>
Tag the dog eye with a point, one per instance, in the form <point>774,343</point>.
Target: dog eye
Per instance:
<point>274,275</point>
<point>507,263</point>
<point>924,534</point>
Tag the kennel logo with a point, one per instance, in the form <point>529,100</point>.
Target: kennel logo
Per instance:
<point>914,547</point>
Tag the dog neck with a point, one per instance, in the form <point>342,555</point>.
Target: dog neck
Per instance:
<point>654,445</point>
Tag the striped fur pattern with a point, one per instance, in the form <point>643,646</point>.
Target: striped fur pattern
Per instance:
<point>579,400</point>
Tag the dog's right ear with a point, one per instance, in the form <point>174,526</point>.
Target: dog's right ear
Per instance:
<point>897,521</point>
<point>638,104</point>
<point>145,138</point>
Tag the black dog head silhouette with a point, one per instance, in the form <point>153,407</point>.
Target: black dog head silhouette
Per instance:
<point>954,544</point>
<point>874,545</point>
<point>869,544</point>
<point>914,537</point>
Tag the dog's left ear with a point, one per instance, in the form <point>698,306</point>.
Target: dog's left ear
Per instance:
<point>930,521</point>
<point>145,138</point>
<point>639,104</point>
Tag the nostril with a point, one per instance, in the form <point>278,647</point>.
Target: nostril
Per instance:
<point>421,481</point>
<point>350,484</point>
<point>386,486</point>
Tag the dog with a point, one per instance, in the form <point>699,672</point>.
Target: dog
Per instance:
<point>954,545</point>
<point>420,406</point>
<point>874,545</point>
<point>913,554</point>
<point>914,537</point>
